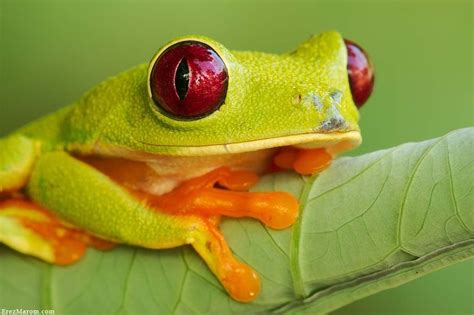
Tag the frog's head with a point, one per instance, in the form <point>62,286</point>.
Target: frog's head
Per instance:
<point>198,98</point>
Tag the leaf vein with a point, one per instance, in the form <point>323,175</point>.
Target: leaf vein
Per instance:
<point>389,151</point>
<point>408,187</point>
<point>453,195</point>
<point>181,287</point>
<point>280,249</point>
<point>127,281</point>
<point>359,215</point>
<point>427,210</point>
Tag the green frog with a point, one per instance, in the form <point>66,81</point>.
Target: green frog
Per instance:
<point>155,156</point>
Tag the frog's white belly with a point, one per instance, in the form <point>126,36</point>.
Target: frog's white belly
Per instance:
<point>172,170</point>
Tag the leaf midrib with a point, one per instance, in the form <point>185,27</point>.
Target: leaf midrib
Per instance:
<point>298,284</point>
<point>405,265</point>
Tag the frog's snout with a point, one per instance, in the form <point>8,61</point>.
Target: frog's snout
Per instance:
<point>361,73</point>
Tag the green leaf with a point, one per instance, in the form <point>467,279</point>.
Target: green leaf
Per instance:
<point>367,224</point>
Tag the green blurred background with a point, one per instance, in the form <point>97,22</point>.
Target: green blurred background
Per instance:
<point>53,51</point>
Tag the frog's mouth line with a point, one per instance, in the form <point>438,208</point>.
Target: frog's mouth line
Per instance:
<point>334,142</point>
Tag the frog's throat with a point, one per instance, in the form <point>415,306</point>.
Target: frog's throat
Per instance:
<point>334,143</point>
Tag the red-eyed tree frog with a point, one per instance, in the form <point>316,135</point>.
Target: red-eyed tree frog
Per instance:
<point>154,156</point>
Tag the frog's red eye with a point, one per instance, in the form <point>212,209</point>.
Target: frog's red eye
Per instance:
<point>188,80</point>
<point>361,73</point>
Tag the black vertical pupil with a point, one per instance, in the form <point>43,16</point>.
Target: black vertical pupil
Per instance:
<point>181,80</point>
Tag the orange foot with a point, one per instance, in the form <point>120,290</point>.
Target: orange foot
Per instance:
<point>33,230</point>
<point>200,196</point>
<point>240,281</point>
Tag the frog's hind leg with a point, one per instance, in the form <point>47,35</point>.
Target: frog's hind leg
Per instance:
<point>239,280</point>
<point>33,230</point>
<point>200,196</point>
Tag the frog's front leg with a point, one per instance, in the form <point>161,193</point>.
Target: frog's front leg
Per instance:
<point>277,210</point>
<point>89,199</point>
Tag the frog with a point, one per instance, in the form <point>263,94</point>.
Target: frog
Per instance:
<point>155,156</point>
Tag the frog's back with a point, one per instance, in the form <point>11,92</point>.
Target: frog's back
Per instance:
<point>79,123</point>
<point>49,129</point>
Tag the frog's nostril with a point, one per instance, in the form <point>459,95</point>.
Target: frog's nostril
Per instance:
<point>360,71</point>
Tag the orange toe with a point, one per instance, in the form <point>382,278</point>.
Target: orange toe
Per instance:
<point>240,281</point>
<point>303,161</point>
<point>312,161</point>
<point>239,180</point>
<point>277,210</point>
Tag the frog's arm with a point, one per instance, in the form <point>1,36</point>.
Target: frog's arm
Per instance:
<point>17,157</point>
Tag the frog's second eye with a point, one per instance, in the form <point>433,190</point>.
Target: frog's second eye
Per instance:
<point>361,73</point>
<point>189,80</point>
